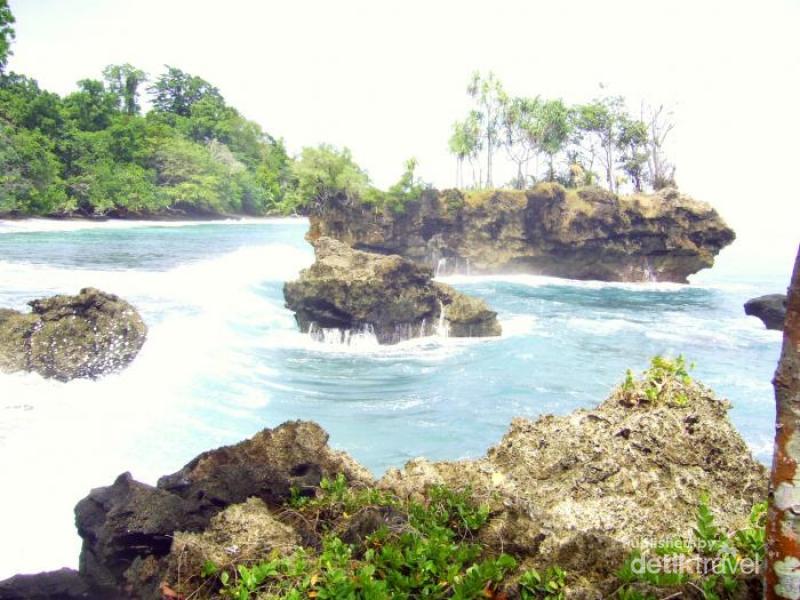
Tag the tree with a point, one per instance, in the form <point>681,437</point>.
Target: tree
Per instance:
<point>29,174</point>
<point>91,107</point>
<point>491,100</point>
<point>324,172</point>
<point>599,120</point>
<point>25,105</point>
<point>523,133</point>
<point>176,92</point>
<point>782,578</point>
<point>123,81</point>
<point>554,128</point>
<point>6,34</point>
<point>632,143</point>
<point>659,123</point>
<point>465,143</point>
<point>408,187</point>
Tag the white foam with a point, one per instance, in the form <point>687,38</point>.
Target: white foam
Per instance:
<point>66,225</point>
<point>544,280</point>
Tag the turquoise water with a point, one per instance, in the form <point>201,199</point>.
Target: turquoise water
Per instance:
<point>224,359</point>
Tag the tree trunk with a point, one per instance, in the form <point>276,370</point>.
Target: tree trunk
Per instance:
<point>782,578</point>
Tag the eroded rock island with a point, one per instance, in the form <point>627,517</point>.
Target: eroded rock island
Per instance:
<point>588,233</point>
<point>67,337</point>
<point>349,290</point>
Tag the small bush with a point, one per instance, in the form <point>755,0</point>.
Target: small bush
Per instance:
<point>664,382</point>
<point>433,556</point>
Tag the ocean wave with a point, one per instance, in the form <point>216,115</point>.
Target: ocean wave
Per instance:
<point>545,280</point>
<point>223,283</point>
<point>34,225</point>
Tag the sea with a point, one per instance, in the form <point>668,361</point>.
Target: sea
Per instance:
<point>225,359</point>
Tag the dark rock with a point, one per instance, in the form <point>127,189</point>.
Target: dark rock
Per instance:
<point>268,466</point>
<point>122,523</point>
<point>390,296</point>
<point>67,337</point>
<point>64,584</point>
<point>771,309</point>
<point>581,234</point>
<point>128,527</point>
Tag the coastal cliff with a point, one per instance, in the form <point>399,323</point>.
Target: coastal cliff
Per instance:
<point>588,233</point>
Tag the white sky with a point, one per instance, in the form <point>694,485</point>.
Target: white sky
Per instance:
<point>387,78</point>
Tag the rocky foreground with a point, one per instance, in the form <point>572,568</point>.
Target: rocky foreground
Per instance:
<point>588,233</point>
<point>68,337</point>
<point>350,290</point>
<point>560,504</point>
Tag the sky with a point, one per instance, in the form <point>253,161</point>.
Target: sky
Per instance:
<point>387,79</point>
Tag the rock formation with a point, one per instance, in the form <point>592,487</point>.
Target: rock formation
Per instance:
<point>587,233</point>
<point>579,491</point>
<point>393,297</point>
<point>127,528</point>
<point>771,309</point>
<point>67,337</point>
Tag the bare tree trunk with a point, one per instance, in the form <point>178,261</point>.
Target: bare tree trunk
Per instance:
<point>782,578</point>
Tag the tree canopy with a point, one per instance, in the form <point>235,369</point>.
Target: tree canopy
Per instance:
<point>575,140</point>
<point>94,151</point>
<point>6,33</point>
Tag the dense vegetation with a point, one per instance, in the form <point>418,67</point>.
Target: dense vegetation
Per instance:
<point>575,141</point>
<point>97,151</point>
<point>431,549</point>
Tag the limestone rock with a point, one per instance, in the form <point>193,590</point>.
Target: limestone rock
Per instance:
<point>68,337</point>
<point>396,299</point>
<point>128,528</point>
<point>628,474</point>
<point>588,233</point>
<point>242,533</point>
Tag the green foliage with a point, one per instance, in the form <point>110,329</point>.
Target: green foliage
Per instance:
<point>6,33</point>
<point>549,586</point>
<point>93,153</point>
<point>175,92</point>
<point>631,572</point>
<point>751,541</point>
<point>715,554</point>
<point>123,83</point>
<point>666,381</point>
<point>324,172</point>
<point>432,556</point>
<point>91,108</point>
<point>29,174</point>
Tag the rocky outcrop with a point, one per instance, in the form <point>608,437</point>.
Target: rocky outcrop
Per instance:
<point>771,309</point>
<point>588,233</point>
<point>618,475</point>
<point>579,491</point>
<point>64,584</point>
<point>393,297</point>
<point>128,528</point>
<point>68,337</point>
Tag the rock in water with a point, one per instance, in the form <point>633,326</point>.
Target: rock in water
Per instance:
<point>390,296</point>
<point>67,337</point>
<point>771,309</point>
<point>588,233</point>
